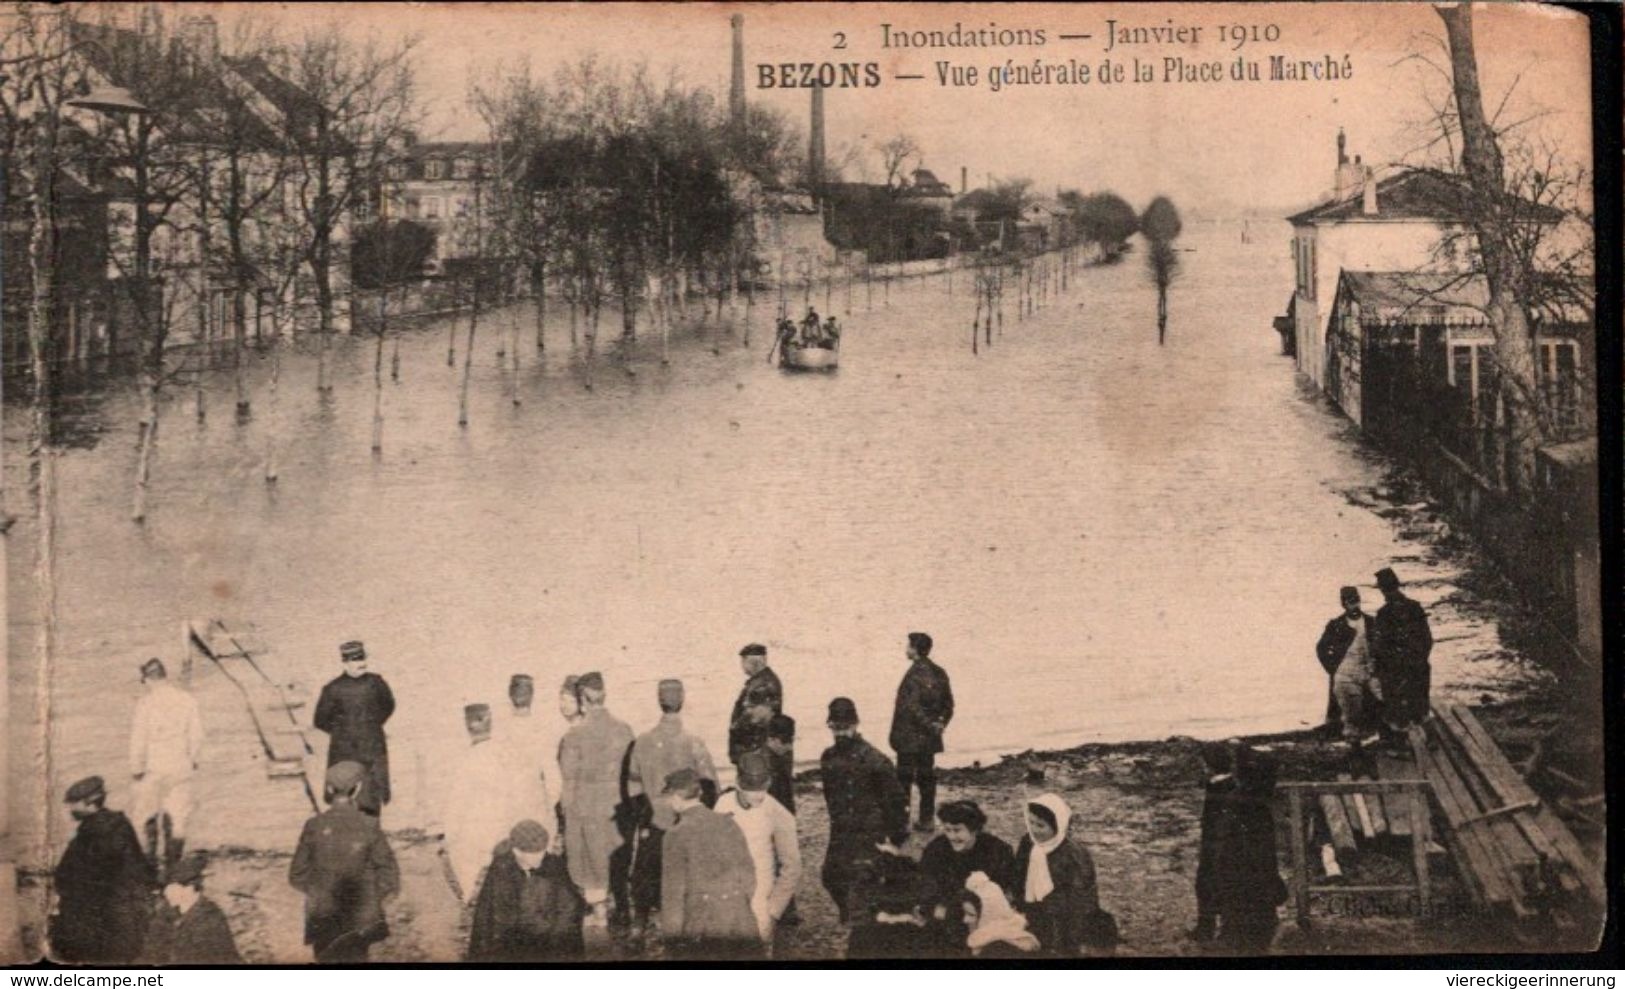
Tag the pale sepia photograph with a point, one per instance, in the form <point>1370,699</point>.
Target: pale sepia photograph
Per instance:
<point>761,483</point>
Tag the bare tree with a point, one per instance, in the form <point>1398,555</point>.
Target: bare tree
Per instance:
<point>895,155</point>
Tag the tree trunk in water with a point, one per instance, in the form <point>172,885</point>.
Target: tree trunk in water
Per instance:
<point>976,324</point>
<point>378,374</point>
<point>239,335</point>
<point>468,359</point>
<point>1505,279</point>
<point>149,437</point>
<point>538,288</point>
<point>451,337</point>
<point>1162,314</point>
<point>321,270</point>
<point>270,426</point>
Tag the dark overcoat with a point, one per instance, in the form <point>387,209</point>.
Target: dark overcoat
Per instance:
<point>707,879</point>
<point>104,888</point>
<point>1401,643</point>
<point>523,916</point>
<point>743,736</point>
<point>862,793</point>
<point>1067,919</point>
<point>925,705</point>
<point>200,936</point>
<point>346,870</point>
<point>352,711</point>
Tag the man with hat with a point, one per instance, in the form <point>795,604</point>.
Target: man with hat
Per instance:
<point>103,883</point>
<point>527,910</point>
<point>166,741</point>
<point>1344,651</point>
<point>530,747</point>
<point>657,753</point>
<point>483,801</point>
<point>352,710</point>
<point>1401,643</point>
<point>770,834</point>
<point>707,879</point>
<point>189,929</point>
<point>346,870</point>
<point>868,810</point>
<point>592,757</point>
<point>925,705</point>
<point>762,687</point>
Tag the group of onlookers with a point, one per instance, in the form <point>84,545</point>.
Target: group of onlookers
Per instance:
<point>1377,665</point>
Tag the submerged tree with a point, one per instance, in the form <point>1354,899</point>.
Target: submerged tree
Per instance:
<point>387,256</point>
<point>1161,226</point>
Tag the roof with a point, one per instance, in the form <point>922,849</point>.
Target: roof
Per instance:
<point>1413,298</point>
<point>1408,195</point>
<point>1575,453</point>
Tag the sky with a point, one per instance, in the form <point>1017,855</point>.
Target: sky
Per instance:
<point>1215,147</point>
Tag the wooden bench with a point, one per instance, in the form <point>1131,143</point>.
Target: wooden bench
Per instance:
<point>1511,850</point>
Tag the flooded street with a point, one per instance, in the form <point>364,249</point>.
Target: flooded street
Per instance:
<point>1161,529</point>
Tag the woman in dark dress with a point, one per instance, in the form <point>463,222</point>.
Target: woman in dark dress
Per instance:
<point>1056,876</point>
<point>963,848</point>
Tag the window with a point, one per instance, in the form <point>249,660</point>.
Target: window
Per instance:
<point>434,168</point>
<point>396,170</point>
<point>1558,370</point>
<point>462,205</point>
<point>363,211</point>
<point>463,168</point>
<point>431,208</point>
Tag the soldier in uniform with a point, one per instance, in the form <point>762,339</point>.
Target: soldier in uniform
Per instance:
<point>659,752</point>
<point>166,741</point>
<point>483,801</point>
<point>103,883</point>
<point>530,747</point>
<point>189,929</point>
<point>352,711</point>
<point>591,758</point>
<point>761,685</point>
<point>346,870</point>
<point>867,809</point>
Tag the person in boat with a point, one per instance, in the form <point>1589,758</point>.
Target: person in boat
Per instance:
<point>787,332</point>
<point>811,329</point>
<point>832,333</point>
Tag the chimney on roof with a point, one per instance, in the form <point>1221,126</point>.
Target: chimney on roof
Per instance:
<point>202,37</point>
<point>1369,205</point>
<point>1349,174</point>
<point>736,89</point>
<point>1342,148</point>
<point>964,179</point>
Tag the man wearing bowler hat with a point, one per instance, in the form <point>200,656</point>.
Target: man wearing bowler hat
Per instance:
<point>868,811</point>
<point>352,710</point>
<point>103,883</point>
<point>1401,643</point>
<point>346,869</point>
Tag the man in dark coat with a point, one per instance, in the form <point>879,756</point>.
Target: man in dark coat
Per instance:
<point>346,870</point>
<point>1344,651</point>
<point>1217,811</point>
<point>925,705</point>
<point>352,711</point>
<point>1401,644</point>
<point>527,911</point>
<point>762,686</point>
<point>867,809</point>
<point>103,883</point>
<point>190,929</point>
<point>781,756</point>
<point>707,880</point>
<point>1247,882</point>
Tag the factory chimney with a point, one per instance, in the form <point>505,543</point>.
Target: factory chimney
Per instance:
<point>736,90</point>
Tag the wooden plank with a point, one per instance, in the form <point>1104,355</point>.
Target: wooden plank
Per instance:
<point>1337,822</point>
<point>1351,785</point>
<point>1379,815</point>
<point>1300,867</point>
<point>1358,813</point>
<point>1508,841</point>
<point>1473,861</point>
<point>1399,806</point>
<point>1419,851</point>
<point>1545,830</point>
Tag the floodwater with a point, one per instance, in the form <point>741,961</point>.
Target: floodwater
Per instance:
<point>1108,538</point>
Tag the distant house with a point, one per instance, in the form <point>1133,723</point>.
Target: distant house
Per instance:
<point>784,230</point>
<point>1049,217</point>
<point>443,185</point>
<point>927,190</point>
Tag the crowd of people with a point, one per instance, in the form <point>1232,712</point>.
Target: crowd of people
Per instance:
<point>812,331</point>
<point>550,830</point>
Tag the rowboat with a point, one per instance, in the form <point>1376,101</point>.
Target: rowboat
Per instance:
<point>793,357</point>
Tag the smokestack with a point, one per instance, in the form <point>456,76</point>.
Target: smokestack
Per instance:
<point>736,90</point>
<point>1369,205</point>
<point>964,179</point>
<point>815,140</point>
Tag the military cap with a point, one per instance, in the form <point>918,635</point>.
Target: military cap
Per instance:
<point>521,680</point>
<point>670,693</point>
<point>755,773</point>
<point>528,836</point>
<point>188,871</point>
<point>342,776</point>
<point>352,651</point>
<point>921,643</point>
<point>85,789</point>
<point>476,712</point>
<point>782,727</point>
<point>1349,595</point>
<point>1387,579</point>
<point>590,681</point>
<point>843,712</point>
<point>682,783</point>
<point>754,649</point>
<point>153,669</point>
